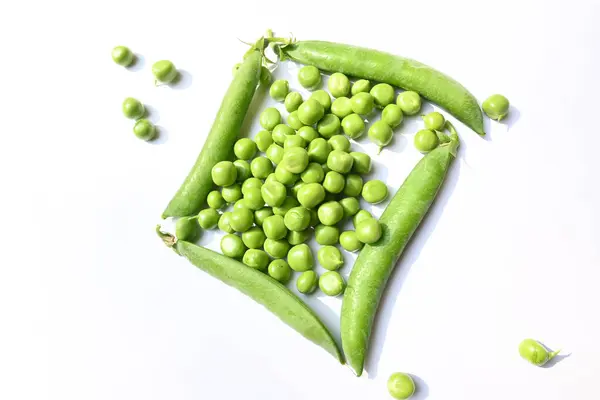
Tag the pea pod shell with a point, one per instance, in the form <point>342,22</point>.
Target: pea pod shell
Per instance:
<point>220,140</point>
<point>399,71</point>
<point>375,262</point>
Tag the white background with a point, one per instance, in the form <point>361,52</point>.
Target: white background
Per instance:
<point>93,306</point>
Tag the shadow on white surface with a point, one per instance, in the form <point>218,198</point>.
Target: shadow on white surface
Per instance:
<point>558,358</point>
<point>183,81</point>
<point>162,135</point>
<point>151,113</point>
<point>492,127</point>
<point>138,64</point>
<point>421,390</point>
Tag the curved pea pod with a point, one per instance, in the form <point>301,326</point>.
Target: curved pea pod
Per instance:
<point>375,262</point>
<point>395,70</point>
<point>259,287</point>
<point>220,140</point>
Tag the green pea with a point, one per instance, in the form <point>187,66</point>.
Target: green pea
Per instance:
<point>277,248</point>
<point>293,101</point>
<point>318,150</point>
<point>215,200</point>
<point>144,129</point>
<point>381,134</point>
<point>288,204</point>
<point>187,228</point>
<point>265,75</point>
<point>350,205</point>
<point>322,97</point>
<point>374,191</point>
<point>224,173</point>
<point>536,353</point>
<point>208,218</point>
<point>400,386</point>
<point>311,195</point>
<point>331,283</point>
<point>338,84</point>
<point>274,227</point>
<point>300,258</point>
<point>279,89</point>
<point>281,132</point>
<point>369,231</point>
<point>313,173</point>
<point>392,115</point>
<point>327,235</point>
<point>262,214</point>
<point>496,107</point>
<point>232,193</point>
<point>280,271</point>
<point>353,186</point>
<point>254,238</point>
<point>295,160</point>
<point>243,170</point>
<point>330,213</point>
<point>232,246</point>
<point>361,86</point>
<point>263,140</point>
<point>353,126</point>
<point>329,126</point>
<point>164,71</point>
<point>251,182</point>
<point>409,102</point>
<point>362,163</point>
<point>261,167</point>
<point>254,199</point>
<point>383,94</point>
<point>314,217</point>
<point>349,241</point>
<point>133,108</point>
<point>297,186</point>
<point>341,107</point>
<point>283,175</point>
<point>294,121</point>
<point>307,282</point>
<point>256,259</point>
<point>340,161</point>
<point>434,121</point>
<point>122,56</point>
<point>334,182</point>
<point>297,219</point>
<point>270,118</point>
<point>360,216</point>
<point>362,103</point>
<point>224,222</point>
<point>294,141</point>
<point>240,204</point>
<point>310,112</point>
<point>244,149</point>
<point>275,153</point>
<point>426,140</point>
<point>309,77</point>
<point>295,238</point>
<point>308,133</point>
<point>339,142</point>
<point>330,258</point>
<point>241,219</point>
<point>271,178</point>
<point>273,193</point>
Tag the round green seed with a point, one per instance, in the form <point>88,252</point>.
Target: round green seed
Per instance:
<point>208,218</point>
<point>353,126</point>
<point>232,246</point>
<point>280,271</point>
<point>300,258</point>
<point>374,191</point>
<point>327,235</point>
<point>331,283</point>
<point>254,238</point>
<point>349,241</point>
<point>330,258</point>
<point>256,259</point>
<point>307,282</point>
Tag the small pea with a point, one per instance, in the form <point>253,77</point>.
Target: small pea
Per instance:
<point>307,282</point>
<point>308,133</point>
<point>426,140</point>
<point>311,195</point>
<point>341,107</point>
<point>294,238</point>
<point>224,173</point>
<point>208,218</point>
<point>338,84</point>
<point>232,246</point>
<point>374,191</point>
<point>257,259</point>
<point>361,86</point>
<point>273,193</point>
<point>254,199</point>
<point>340,161</point>
<point>334,182</point>
<point>330,213</point>
<point>164,71</point>
<point>330,258</point>
<point>261,167</point>
<point>274,227</point>
<point>224,222</point>
<point>339,142</point>
<point>243,170</point>
<point>310,112</point>
<point>281,132</point>
<point>314,217</point>
<point>283,175</point>
<point>232,193</point>
<point>292,101</point>
<point>353,126</point>
<point>496,107</point>
<point>296,188</point>
<point>322,97</point>
<point>241,219</point>
<point>326,235</point>
<point>187,229</point>
<point>122,56</point>
<point>349,241</point>
<point>270,118</point>
<point>251,182</point>
<point>536,353</point>
<point>313,173</point>
<point>409,102</point>
<point>294,141</point>
<point>295,160</point>
<point>381,134</point>
<point>331,283</point>
<point>400,386</point>
<point>265,76</point>
<point>271,178</point>
<point>392,115</point>
<point>215,200</point>
<point>277,248</point>
<point>350,206</point>
<point>279,89</point>
<point>244,149</point>
<point>294,121</point>
<point>369,231</point>
<point>300,258</point>
<point>434,121</point>
<point>353,185</point>
<point>383,94</point>
<point>297,219</point>
<point>288,204</point>
<point>262,214</point>
<point>144,129</point>
<point>362,163</point>
<point>309,77</point>
<point>254,238</point>
<point>263,140</point>
<point>329,126</point>
<point>280,271</point>
<point>360,216</point>
<point>133,108</point>
<point>318,151</point>
<point>275,153</point>
<point>362,103</point>
<point>241,204</point>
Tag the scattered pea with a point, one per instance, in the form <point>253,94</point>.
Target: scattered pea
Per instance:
<point>215,200</point>
<point>253,199</point>
<point>426,140</point>
<point>341,107</point>
<point>232,246</point>
<point>329,126</point>
<point>361,86</point>
<point>374,191</point>
<point>383,94</point>
<point>251,182</point>
<point>263,140</point>
<point>360,216</point>
<point>297,186</point>
<point>261,167</point>
<point>339,142</point>
<point>330,213</point>
<point>353,126</point>
<point>240,204</point>
<point>326,235</point>
<point>257,259</point>
<point>340,161</point>
<point>262,214</point>
<point>318,150</point>
<point>392,115</point>
<point>294,121</point>
<point>281,132</point>
<point>280,271</point>
<point>322,97</point>
<point>294,238</point>
<point>241,219</point>
<point>536,353</point>
<point>122,56</point>
<point>496,107</point>
<point>350,206</point>
<point>300,258</point>
<point>349,241</point>
<point>273,193</point>
<point>400,386</point>
<point>275,153</point>
<point>338,84</point>
<point>331,283</point>
<point>254,238</point>
<point>313,173</point>
<point>279,89</point>
<point>369,231</point>
<point>187,228</point>
<point>362,103</point>
<point>277,248</point>
<point>330,258</point>
<point>307,282</point>
<point>133,108</point>
<point>144,129</point>
<point>353,185</point>
<point>309,77</point>
<point>232,193</point>
<point>334,182</point>
<point>270,118</point>
<point>310,112</point>
<point>311,195</point>
<point>297,219</point>
<point>308,133</point>
<point>164,71</point>
<point>244,149</point>
<point>381,134</point>
<point>294,141</point>
<point>265,75</point>
<point>293,101</point>
<point>434,121</point>
<point>224,222</point>
<point>224,173</point>
<point>288,204</point>
<point>208,218</point>
<point>409,102</point>
<point>362,163</point>
<point>243,170</point>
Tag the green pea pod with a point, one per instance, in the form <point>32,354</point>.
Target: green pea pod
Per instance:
<point>375,262</point>
<point>259,287</point>
<point>220,140</point>
<point>395,70</point>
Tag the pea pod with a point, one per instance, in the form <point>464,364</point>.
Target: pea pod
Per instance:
<point>259,287</point>
<point>395,70</point>
<point>375,262</point>
<point>220,140</point>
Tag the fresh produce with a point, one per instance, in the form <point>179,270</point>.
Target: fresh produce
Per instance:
<point>330,258</point>
<point>215,200</point>
<point>300,258</point>
<point>535,352</point>
<point>232,246</point>
<point>381,134</point>
<point>329,126</point>
<point>164,71</point>
<point>374,191</point>
<point>341,107</point>
<point>409,102</point>
<point>361,86</point>
<point>279,89</point>
<point>496,107</point>
<point>133,108</point>
<point>208,218</point>
<point>350,242</point>
<point>353,126</point>
<point>280,271</point>
<point>434,121</point>
<point>292,101</point>
<point>244,149</point>
<point>331,283</point>
<point>330,213</point>
<point>257,259</point>
<point>307,282</point>
<point>270,118</point>
<point>310,112</point>
<point>122,56</point>
<point>392,115</point>
<point>254,238</point>
<point>368,231</point>
<point>187,228</point>
<point>338,85</point>
<point>144,129</point>
<point>322,97</point>
<point>309,77</point>
<point>383,94</point>
<point>326,235</point>
<point>426,140</point>
<point>362,103</point>
<point>401,386</point>
<point>224,173</point>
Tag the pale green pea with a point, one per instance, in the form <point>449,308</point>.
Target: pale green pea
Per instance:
<point>294,141</point>
<point>310,112</point>
<point>308,133</point>
<point>254,238</point>
<point>330,213</point>
<point>164,71</point>
<point>243,170</point>
<point>536,353</point>
<point>350,205</point>
<point>283,175</point>
<point>318,150</point>
<point>313,173</point>
<point>288,204</point>
<point>244,149</point>
<point>334,182</point>
<point>322,97</point>
<point>392,115</point>
<point>331,283</point>
<point>311,195</point>
<point>297,186</point>
<point>307,282</point>
<point>256,259</point>
<point>276,248</point>
<point>241,219</point>
<point>208,218</point>
<point>281,132</point>
<point>265,75</point>
<point>434,121</point>
<point>362,163</point>
<point>340,161</point>
<point>273,193</point>
<point>360,216</point>
<point>353,126</point>
<point>294,121</point>
<point>293,101</point>
<point>400,386</point>
<point>361,86</point>
<point>338,84</point>
<point>381,134</point>
<point>279,89</point>
<point>274,227</point>
<point>232,246</point>
<point>295,238</point>
<point>426,140</point>
<point>122,56</point>
<point>383,94</point>
<point>297,219</point>
<point>280,271</point>
<point>300,258</point>
<point>253,199</point>
<point>374,191</point>
<point>270,118</point>
<point>232,193</point>
<point>353,186</point>
<point>496,106</point>
<point>240,204</point>
<point>362,103</point>
<point>309,77</point>
<point>339,142</point>
<point>275,153</point>
<point>329,126</point>
<point>263,140</point>
<point>330,258</point>
<point>224,222</point>
<point>133,108</point>
<point>342,107</point>
<point>349,241</point>
<point>224,173</point>
<point>251,182</point>
<point>261,215</point>
<point>144,129</point>
<point>327,235</point>
<point>409,102</point>
<point>295,160</point>
<point>369,231</point>
<point>187,228</point>
<point>215,200</point>
<point>261,167</point>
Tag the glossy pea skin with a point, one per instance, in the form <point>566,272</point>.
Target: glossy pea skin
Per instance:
<point>374,191</point>
<point>330,213</point>
<point>261,215</point>
<point>280,271</point>
<point>326,235</point>
<point>340,161</point>
<point>224,222</point>
<point>253,199</point>
<point>292,101</point>
<point>273,193</point>
<point>215,200</point>
<point>339,142</point>
<point>329,126</point>
<point>232,193</point>
<point>381,134</point>
<point>307,282</point>
<point>224,173</point>
<point>331,283</point>
<point>277,248</point>
<point>297,219</point>
<point>353,185</point>
<point>350,205</point>
<point>314,217</point>
<point>294,121</point>
<point>283,175</point>
<point>362,163</point>
<point>274,227</point>
<point>311,195</point>
<point>261,167</point>
<point>383,94</point>
<point>353,126</point>
<point>251,182</point>
<point>313,173</point>
<point>122,56</point>
<point>144,129</point>
<point>241,219</point>
<point>400,386</point>
<point>310,112</point>
<point>409,102</point>
<point>369,231</point>
<point>308,133</point>
<point>187,228</point>
<point>295,160</point>
<point>309,77</point>
<point>341,107</point>
<point>270,118</point>
<point>294,141</point>
<point>133,108</point>
<point>288,204</point>
<point>208,218</point>
<point>296,188</point>
<point>322,97</point>
<point>298,237</point>
<point>263,140</point>
<point>275,153</point>
<point>279,89</point>
<point>392,115</point>
<point>338,85</point>
<point>330,258</point>
<point>243,171</point>
<point>265,76</point>
<point>360,216</point>
<point>244,149</point>
<point>318,150</point>
<point>164,71</point>
<point>496,107</point>
<point>349,241</point>
<point>254,238</point>
<point>362,103</point>
<point>281,132</point>
<point>300,258</point>
<point>241,204</point>
<point>536,353</point>
<point>257,259</point>
<point>232,246</point>
<point>361,86</point>
<point>434,121</point>
<point>426,140</point>
<point>334,182</point>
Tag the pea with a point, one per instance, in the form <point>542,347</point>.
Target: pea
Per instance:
<point>283,175</point>
<point>254,200</point>
<point>144,129</point>
<point>381,134</point>
<point>339,142</point>
<point>307,282</point>
<point>208,218</point>
<point>536,353</point>
<point>244,149</point>
<point>309,77</point>
<point>426,140</point>
<point>496,107</point>
<point>232,246</point>
<point>313,173</point>
<point>409,102</point>
<point>322,97</point>
<point>265,75</point>
<point>330,213</point>
<point>297,186</point>
<point>241,219</point>
<point>292,101</point>
<point>369,231</point>
<point>340,161</point>
<point>294,121</point>
<point>273,193</point>
<point>392,115</point>
<point>251,182</point>
<point>300,258</point>
<point>281,132</point>
<point>122,56</point>
<point>362,103</point>
<point>341,107</point>
<point>353,185</point>
<point>287,205</point>
<point>294,141</point>
<point>310,112</point>
<point>232,193</point>
<point>374,191</point>
<point>331,283</point>
<point>326,235</point>
<point>276,248</point>
<point>280,271</point>
<point>362,163</point>
<point>308,133</point>
<point>270,118</point>
<point>224,173</point>
<point>434,121</point>
<point>361,216</point>
<point>261,215</point>
<point>311,195</point>
<point>349,241</point>
<point>224,222</point>
<point>330,258</point>
<point>400,386</point>
<point>350,206</point>
<point>133,108</point>
<point>383,94</point>
<point>339,84</point>
<point>187,228</point>
<point>243,170</point>
<point>261,167</point>
<point>314,217</point>
<point>295,160</point>
<point>240,204</point>
<point>318,150</point>
<point>361,86</point>
<point>353,126</point>
<point>256,259</point>
<point>275,153</point>
<point>271,178</point>
<point>274,227</point>
<point>334,182</point>
<point>215,200</point>
<point>263,140</point>
<point>279,89</point>
<point>254,238</point>
<point>297,219</point>
<point>164,71</point>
